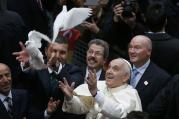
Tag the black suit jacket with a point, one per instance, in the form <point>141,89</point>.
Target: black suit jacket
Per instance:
<point>39,88</point>
<point>165,52</point>
<point>166,104</point>
<point>156,79</point>
<point>20,105</point>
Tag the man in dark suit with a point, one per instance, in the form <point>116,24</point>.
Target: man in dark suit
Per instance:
<point>165,47</point>
<point>96,57</point>
<point>166,104</point>
<point>43,84</point>
<point>13,102</point>
<point>146,77</point>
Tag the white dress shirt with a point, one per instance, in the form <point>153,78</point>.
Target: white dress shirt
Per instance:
<point>141,71</point>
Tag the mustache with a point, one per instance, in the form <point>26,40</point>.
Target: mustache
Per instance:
<point>92,58</point>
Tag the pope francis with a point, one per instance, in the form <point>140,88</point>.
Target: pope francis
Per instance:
<point>109,99</point>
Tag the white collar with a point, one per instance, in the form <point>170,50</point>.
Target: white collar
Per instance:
<point>50,70</point>
<point>2,97</point>
<point>142,69</point>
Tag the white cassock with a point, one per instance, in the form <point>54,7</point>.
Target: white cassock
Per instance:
<point>110,103</point>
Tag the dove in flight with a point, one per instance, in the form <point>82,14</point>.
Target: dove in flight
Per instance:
<point>32,46</point>
<point>68,19</point>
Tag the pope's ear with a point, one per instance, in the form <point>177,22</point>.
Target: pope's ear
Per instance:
<point>126,77</point>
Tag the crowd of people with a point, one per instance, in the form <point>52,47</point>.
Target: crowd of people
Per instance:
<point>132,61</point>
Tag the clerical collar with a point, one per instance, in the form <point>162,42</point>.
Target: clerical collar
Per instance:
<point>2,97</point>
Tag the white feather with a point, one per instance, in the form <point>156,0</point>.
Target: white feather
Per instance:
<point>35,37</point>
<point>32,45</point>
<point>67,20</point>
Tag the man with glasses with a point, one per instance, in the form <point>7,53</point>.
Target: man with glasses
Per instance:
<point>96,57</point>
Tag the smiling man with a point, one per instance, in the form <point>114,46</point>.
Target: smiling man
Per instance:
<point>146,76</point>
<point>13,103</point>
<point>110,99</point>
<point>96,57</point>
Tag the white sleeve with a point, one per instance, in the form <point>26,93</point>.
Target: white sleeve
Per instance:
<point>76,105</point>
<point>117,108</point>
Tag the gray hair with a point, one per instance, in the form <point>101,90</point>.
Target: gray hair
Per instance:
<point>102,43</point>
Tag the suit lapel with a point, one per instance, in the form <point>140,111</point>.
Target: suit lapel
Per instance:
<point>3,112</point>
<point>84,73</point>
<point>102,76</point>
<point>15,102</point>
<point>44,78</point>
<point>145,81</point>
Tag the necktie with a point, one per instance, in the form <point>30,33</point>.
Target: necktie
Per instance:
<point>9,102</point>
<point>133,77</point>
<point>54,83</point>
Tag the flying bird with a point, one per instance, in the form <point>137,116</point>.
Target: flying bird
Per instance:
<point>32,46</point>
<point>68,19</point>
<point>65,20</point>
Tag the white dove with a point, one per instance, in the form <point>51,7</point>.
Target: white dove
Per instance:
<point>32,46</point>
<point>68,19</point>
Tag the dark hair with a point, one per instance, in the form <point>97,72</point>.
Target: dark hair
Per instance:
<point>156,16</point>
<point>61,39</point>
<point>3,5</point>
<point>137,115</point>
<point>102,43</point>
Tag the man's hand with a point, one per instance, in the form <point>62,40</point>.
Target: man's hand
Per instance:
<point>52,59</point>
<point>22,56</point>
<point>92,82</point>
<point>67,90</point>
<point>118,9</point>
<point>91,26</point>
<point>52,106</point>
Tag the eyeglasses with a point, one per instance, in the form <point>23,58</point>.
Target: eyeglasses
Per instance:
<point>91,52</point>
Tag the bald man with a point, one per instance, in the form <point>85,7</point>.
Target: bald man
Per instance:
<point>13,103</point>
<point>146,76</point>
<point>109,99</point>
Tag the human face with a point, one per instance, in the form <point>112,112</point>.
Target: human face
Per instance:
<point>58,52</point>
<point>5,79</point>
<point>115,75</point>
<point>95,57</point>
<point>139,51</point>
